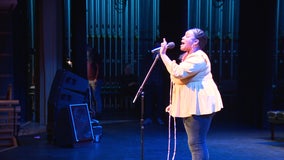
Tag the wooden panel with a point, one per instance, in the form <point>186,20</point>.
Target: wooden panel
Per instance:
<point>9,123</point>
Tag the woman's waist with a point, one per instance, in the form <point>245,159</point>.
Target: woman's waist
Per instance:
<point>192,80</point>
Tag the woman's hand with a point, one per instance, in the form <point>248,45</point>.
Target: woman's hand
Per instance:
<point>163,49</point>
<point>168,108</point>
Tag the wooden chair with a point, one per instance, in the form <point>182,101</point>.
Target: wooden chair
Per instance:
<point>9,121</point>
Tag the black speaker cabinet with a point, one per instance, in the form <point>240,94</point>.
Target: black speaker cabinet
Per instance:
<point>62,99</point>
<point>73,126</point>
<point>69,81</point>
<point>67,88</point>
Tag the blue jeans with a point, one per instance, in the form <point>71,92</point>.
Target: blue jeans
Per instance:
<point>97,87</point>
<point>197,128</point>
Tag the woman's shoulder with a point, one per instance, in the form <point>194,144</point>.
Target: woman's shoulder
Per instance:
<point>198,56</point>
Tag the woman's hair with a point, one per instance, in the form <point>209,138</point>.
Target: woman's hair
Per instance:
<point>201,36</point>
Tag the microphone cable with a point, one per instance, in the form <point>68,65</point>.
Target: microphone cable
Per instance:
<point>169,128</point>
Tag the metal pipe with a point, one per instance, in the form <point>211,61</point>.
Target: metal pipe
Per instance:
<point>221,40</point>
<point>232,24</point>
<point>276,40</point>
<point>67,11</point>
<point>91,21</point>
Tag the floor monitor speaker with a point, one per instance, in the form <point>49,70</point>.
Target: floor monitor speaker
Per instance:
<point>73,126</point>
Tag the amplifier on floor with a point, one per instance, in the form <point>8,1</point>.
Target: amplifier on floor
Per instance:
<point>74,126</point>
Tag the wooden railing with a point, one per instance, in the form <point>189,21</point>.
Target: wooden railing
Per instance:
<point>9,123</point>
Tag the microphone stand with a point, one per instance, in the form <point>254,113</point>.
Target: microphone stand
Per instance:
<point>140,91</point>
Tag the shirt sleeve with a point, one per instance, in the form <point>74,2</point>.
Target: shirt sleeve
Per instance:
<point>192,65</point>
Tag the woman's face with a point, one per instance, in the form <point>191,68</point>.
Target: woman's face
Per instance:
<point>187,41</point>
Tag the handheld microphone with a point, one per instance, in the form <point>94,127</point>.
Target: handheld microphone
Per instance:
<point>170,45</point>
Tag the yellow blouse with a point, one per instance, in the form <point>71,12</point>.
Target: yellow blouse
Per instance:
<point>194,90</point>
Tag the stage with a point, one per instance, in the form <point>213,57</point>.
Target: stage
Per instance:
<point>122,139</point>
